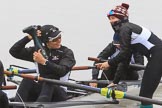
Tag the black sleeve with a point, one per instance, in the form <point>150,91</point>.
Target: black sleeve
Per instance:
<point>125,44</point>
<point>104,54</point>
<point>19,51</point>
<point>121,71</point>
<point>65,65</point>
<point>107,51</point>
<point>138,58</point>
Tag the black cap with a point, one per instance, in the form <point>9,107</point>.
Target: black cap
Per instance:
<point>50,32</point>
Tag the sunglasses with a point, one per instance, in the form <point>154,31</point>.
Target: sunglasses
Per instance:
<point>55,39</point>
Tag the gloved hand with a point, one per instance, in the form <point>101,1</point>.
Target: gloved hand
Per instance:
<point>31,30</point>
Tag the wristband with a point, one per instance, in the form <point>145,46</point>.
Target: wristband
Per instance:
<point>45,63</point>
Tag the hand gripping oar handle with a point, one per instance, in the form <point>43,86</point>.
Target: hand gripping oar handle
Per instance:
<point>32,30</point>
<point>83,67</point>
<point>38,45</point>
<point>103,91</point>
<point>137,66</point>
<point>8,87</point>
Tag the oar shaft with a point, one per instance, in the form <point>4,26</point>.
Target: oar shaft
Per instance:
<point>83,67</point>
<point>57,82</point>
<point>102,60</point>
<point>67,84</point>
<point>8,87</point>
<point>95,81</point>
<point>96,59</point>
<point>28,71</point>
<point>143,99</point>
<point>137,66</point>
<point>62,104</point>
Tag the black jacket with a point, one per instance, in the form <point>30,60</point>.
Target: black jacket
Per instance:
<point>119,68</point>
<point>60,61</point>
<point>136,38</point>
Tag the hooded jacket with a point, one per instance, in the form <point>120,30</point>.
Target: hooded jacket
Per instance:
<point>137,39</point>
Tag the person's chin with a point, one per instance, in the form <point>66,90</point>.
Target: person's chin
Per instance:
<point>56,47</point>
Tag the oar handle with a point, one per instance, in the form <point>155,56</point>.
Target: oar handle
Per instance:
<point>143,99</point>
<point>138,66</point>
<point>24,71</point>
<point>57,82</point>
<point>83,67</point>
<point>8,87</point>
<point>22,75</point>
<point>96,59</point>
<point>96,81</point>
<point>27,71</point>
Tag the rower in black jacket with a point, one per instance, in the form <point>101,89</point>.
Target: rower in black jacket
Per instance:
<point>121,71</point>
<point>57,66</point>
<point>137,38</point>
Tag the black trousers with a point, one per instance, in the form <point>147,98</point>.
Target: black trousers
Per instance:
<point>152,74</point>
<point>30,91</point>
<point>3,100</point>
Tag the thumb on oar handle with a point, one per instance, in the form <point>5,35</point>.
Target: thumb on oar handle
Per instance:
<point>8,87</point>
<point>83,67</point>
